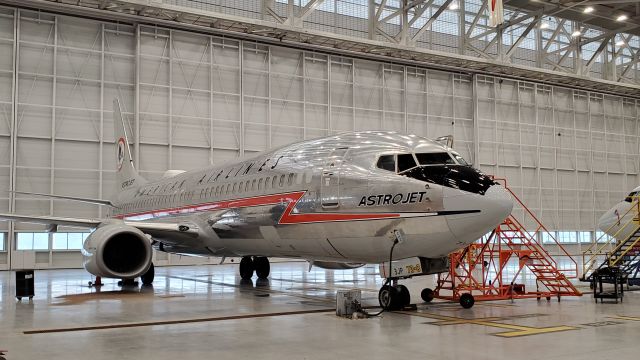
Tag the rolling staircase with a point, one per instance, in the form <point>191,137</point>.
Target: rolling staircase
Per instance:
<point>608,255</point>
<point>481,270</point>
<point>537,259</point>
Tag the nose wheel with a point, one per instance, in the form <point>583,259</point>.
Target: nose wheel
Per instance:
<point>394,297</point>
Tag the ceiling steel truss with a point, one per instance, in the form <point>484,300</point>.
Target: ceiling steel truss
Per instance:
<point>567,50</point>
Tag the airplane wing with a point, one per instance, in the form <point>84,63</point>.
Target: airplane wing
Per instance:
<point>73,198</point>
<point>51,220</point>
<point>151,228</point>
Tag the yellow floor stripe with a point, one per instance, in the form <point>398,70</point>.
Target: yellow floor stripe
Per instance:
<point>516,330</point>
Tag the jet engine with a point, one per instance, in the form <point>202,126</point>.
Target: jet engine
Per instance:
<point>329,265</point>
<point>117,251</point>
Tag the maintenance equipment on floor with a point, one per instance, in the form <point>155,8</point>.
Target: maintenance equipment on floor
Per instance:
<point>24,284</point>
<point>478,272</point>
<point>610,261</point>
<point>348,302</point>
<point>608,275</point>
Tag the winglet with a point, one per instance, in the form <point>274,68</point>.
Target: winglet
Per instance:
<point>126,174</point>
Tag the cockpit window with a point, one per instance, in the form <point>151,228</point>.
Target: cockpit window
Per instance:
<point>387,162</point>
<point>631,196</point>
<point>460,159</point>
<point>405,162</point>
<point>434,158</point>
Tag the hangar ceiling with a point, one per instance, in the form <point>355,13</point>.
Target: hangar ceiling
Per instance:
<point>604,14</point>
<point>537,42</point>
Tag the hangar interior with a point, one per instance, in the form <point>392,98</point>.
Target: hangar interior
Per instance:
<point>194,99</point>
<point>549,100</point>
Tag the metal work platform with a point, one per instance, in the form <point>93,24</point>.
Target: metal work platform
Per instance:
<point>614,261</point>
<point>480,269</point>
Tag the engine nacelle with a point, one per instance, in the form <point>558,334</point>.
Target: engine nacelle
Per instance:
<point>330,265</point>
<point>117,251</point>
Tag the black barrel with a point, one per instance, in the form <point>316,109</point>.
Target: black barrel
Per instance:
<point>24,284</point>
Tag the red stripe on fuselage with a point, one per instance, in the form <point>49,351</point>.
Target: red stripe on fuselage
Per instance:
<point>287,217</point>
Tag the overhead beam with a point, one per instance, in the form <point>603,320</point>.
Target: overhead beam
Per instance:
<point>522,36</point>
<point>433,18</point>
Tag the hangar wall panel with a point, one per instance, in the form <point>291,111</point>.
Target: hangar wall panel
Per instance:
<point>191,100</point>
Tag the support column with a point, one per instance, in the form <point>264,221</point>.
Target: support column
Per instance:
<point>13,136</point>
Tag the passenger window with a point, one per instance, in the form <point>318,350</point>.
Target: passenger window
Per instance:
<point>235,188</point>
<point>246,186</point>
<point>387,162</point>
<point>434,158</point>
<point>240,187</point>
<point>260,184</point>
<point>290,180</point>
<point>273,181</point>
<point>282,180</point>
<point>253,185</point>
<point>405,162</point>
<point>228,188</point>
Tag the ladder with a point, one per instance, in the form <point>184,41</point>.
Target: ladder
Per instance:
<point>537,259</point>
<point>623,255</point>
<point>481,270</point>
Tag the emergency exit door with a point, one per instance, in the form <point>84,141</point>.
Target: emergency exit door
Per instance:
<point>330,189</point>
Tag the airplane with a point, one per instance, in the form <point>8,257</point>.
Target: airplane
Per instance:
<point>339,202</point>
<point>615,221</point>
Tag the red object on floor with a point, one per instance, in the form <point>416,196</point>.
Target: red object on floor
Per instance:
<point>481,268</point>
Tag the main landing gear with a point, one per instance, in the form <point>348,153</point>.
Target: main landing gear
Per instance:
<point>258,264</point>
<point>147,278</point>
<point>394,297</point>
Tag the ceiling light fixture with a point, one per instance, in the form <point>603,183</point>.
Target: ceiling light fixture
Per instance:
<point>620,43</point>
<point>576,33</point>
<point>453,6</point>
<point>588,10</point>
<point>622,17</point>
<point>544,25</point>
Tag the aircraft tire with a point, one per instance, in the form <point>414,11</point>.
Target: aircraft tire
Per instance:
<point>246,267</point>
<point>389,298</point>
<point>262,266</point>
<point>147,278</point>
<point>405,296</point>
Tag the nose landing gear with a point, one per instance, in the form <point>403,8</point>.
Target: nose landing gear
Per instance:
<point>394,297</point>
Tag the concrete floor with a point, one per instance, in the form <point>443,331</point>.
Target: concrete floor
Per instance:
<point>283,318</point>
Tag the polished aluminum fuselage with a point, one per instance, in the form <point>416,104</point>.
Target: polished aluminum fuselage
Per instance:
<point>321,199</point>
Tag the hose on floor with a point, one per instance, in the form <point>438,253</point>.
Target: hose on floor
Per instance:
<point>386,283</point>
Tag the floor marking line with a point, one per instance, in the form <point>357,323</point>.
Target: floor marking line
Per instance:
<point>174,322</point>
<point>517,330</point>
<point>256,289</point>
<point>623,317</point>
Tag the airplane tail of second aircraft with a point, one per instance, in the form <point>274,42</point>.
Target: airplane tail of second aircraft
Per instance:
<point>127,176</point>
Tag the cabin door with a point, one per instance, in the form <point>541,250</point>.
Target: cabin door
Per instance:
<point>330,188</point>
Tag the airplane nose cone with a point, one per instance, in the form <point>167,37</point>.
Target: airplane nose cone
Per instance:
<point>499,204</point>
<point>489,209</point>
<point>607,220</point>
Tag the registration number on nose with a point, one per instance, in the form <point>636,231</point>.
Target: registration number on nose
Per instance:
<point>402,268</point>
